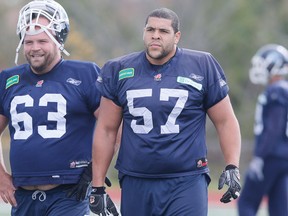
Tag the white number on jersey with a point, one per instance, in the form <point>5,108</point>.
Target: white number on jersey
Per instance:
<point>24,117</point>
<point>170,125</point>
<point>258,125</point>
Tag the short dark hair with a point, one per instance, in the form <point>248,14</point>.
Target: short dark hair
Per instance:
<point>166,13</point>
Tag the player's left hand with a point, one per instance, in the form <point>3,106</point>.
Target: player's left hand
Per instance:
<point>231,177</point>
<point>80,189</point>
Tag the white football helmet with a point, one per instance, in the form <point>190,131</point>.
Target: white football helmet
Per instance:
<point>50,9</point>
<point>269,60</point>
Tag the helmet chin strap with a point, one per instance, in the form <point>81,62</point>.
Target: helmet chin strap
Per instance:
<point>32,31</point>
<point>17,49</point>
<point>60,46</point>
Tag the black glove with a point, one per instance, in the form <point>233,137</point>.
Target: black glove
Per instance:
<point>230,177</point>
<point>80,189</point>
<point>101,204</point>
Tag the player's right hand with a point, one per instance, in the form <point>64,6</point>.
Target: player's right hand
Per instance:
<point>101,204</point>
<point>7,189</point>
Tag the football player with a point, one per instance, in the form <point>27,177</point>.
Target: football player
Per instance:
<point>163,94</point>
<point>267,174</point>
<point>50,106</point>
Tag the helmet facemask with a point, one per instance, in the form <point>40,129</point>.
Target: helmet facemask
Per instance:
<point>258,73</point>
<point>269,61</point>
<point>57,28</point>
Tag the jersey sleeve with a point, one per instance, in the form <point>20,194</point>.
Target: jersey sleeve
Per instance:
<point>92,91</point>
<point>217,87</point>
<point>108,79</point>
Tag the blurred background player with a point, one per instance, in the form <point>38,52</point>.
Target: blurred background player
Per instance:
<point>50,105</point>
<point>268,171</point>
<point>164,94</point>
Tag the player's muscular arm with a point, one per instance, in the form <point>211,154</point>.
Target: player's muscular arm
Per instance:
<point>224,119</point>
<point>105,143</point>
<point>119,133</point>
<point>228,130</point>
<point>6,187</point>
<point>108,122</point>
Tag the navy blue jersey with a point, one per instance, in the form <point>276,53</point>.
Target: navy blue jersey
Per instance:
<point>51,121</point>
<point>164,111</point>
<point>271,123</point>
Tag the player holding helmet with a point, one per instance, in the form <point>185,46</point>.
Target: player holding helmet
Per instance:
<point>268,170</point>
<point>50,106</point>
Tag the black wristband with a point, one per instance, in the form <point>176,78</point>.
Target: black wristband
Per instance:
<point>230,166</point>
<point>98,190</point>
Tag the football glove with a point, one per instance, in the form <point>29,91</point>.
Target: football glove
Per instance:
<point>231,177</point>
<point>80,189</point>
<point>255,170</point>
<point>101,204</point>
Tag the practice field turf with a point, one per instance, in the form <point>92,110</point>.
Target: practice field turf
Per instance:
<point>215,207</point>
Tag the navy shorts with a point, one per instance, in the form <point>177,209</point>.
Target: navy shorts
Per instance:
<point>187,195</point>
<point>49,203</point>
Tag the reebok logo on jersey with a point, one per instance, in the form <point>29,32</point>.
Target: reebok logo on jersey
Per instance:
<point>73,81</point>
<point>196,77</point>
<point>188,81</point>
<point>11,81</point>
<point>126,73</point>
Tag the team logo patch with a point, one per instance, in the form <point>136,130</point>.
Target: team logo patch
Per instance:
<point>188,81</point>
<point>126,73</point>
<point>157,77</point>
<point>201,162</point>
<point>12,81</point>
<point>39,83</point>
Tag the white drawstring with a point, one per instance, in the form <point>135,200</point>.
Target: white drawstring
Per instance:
<point>42,196</point>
